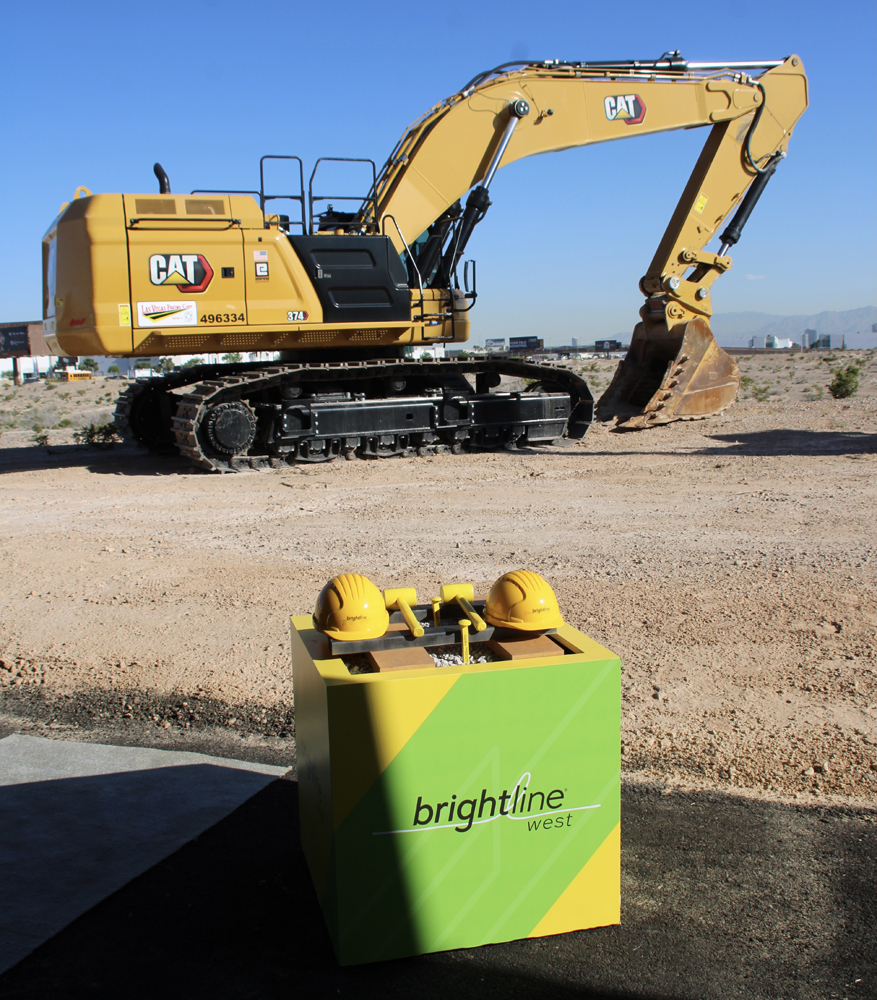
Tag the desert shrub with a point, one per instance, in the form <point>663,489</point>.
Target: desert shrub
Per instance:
<point>97,435</point>
<point>814,393</point>
<point>761,393</point>
<point>845,382</point>
<point>41,438</point>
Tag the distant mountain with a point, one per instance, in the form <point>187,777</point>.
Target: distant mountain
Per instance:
<point>735,329</point>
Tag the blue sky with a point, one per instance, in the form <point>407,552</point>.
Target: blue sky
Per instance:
<point>94,93</point>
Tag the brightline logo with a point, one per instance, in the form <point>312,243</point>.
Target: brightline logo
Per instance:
<point>426,817</point>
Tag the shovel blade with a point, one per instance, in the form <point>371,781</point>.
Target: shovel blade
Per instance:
<point>675,374</point>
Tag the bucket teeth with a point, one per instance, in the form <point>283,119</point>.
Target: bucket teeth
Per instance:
<point>675,374</point>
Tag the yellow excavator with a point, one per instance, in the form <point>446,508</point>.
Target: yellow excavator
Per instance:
<point>338,296</point>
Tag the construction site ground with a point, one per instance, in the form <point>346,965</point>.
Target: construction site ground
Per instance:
<point>730,562</point>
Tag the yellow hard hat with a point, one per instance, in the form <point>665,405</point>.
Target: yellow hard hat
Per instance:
<point>522,600</point>
<point>351,607</point>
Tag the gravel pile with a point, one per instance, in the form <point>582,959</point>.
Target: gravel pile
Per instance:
<point>444,656</point>
<point>450,656</point>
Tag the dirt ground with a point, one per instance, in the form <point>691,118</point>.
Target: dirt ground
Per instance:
<point>730,562</point>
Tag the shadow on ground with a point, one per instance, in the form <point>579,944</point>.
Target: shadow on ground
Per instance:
<point>118,460</point>
<point>126,460</point>
<point>721,897</point>
<point>783,441</point>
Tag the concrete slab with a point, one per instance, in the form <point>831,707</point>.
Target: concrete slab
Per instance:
<point>80,820</point>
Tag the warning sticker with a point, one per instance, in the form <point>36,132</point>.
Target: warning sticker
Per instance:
<point>124,314</point>
<point>167,314</point>
<point>260,255</point>
<point>700,204</point>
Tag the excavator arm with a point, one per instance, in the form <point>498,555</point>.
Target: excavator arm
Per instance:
<point>674,369</point>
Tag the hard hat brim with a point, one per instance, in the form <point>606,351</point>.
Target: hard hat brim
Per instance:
<point>524,626</point>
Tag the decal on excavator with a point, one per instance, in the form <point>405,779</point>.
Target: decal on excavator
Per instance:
<point>628,108</point>
<point>190,272</point>
<point>167,314</point>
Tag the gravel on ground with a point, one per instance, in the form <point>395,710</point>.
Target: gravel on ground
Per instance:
<point>730,562</point>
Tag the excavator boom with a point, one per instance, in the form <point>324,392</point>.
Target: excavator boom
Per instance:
<point>674,368</point>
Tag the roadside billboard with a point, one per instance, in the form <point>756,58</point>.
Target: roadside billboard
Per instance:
<point>22,340</point>
<point>525,344</point>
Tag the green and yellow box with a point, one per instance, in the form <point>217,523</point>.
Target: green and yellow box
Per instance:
<point>459,806</point>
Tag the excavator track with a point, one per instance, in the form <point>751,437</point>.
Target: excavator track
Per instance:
<point>252,417</point>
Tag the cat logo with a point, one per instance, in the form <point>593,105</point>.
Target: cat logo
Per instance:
<point>190,272</point>
<point>628,108</point>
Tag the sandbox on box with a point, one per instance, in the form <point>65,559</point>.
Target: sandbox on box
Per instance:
<point>451,807</point>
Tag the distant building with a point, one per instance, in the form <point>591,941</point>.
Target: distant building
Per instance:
<point>575,343</point>
<point>809,339</point>
<point>777,343</point>
<point>433,350</point>
<point>756,342</point>
<point>24,344</point>
<point>823,342</point>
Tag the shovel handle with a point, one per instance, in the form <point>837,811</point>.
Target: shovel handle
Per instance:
<point>413,624</point>
<point>464,640</point>
<point>473,616</point>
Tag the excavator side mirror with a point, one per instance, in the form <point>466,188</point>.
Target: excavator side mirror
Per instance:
<point>471,293</point>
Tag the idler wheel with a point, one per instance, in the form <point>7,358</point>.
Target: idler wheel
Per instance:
<point>231,427</point>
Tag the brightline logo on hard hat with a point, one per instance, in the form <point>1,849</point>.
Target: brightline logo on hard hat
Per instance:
<point>351,607</point>
<point>522,600</point>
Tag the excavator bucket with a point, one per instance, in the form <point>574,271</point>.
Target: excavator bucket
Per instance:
<point>675,374</point>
